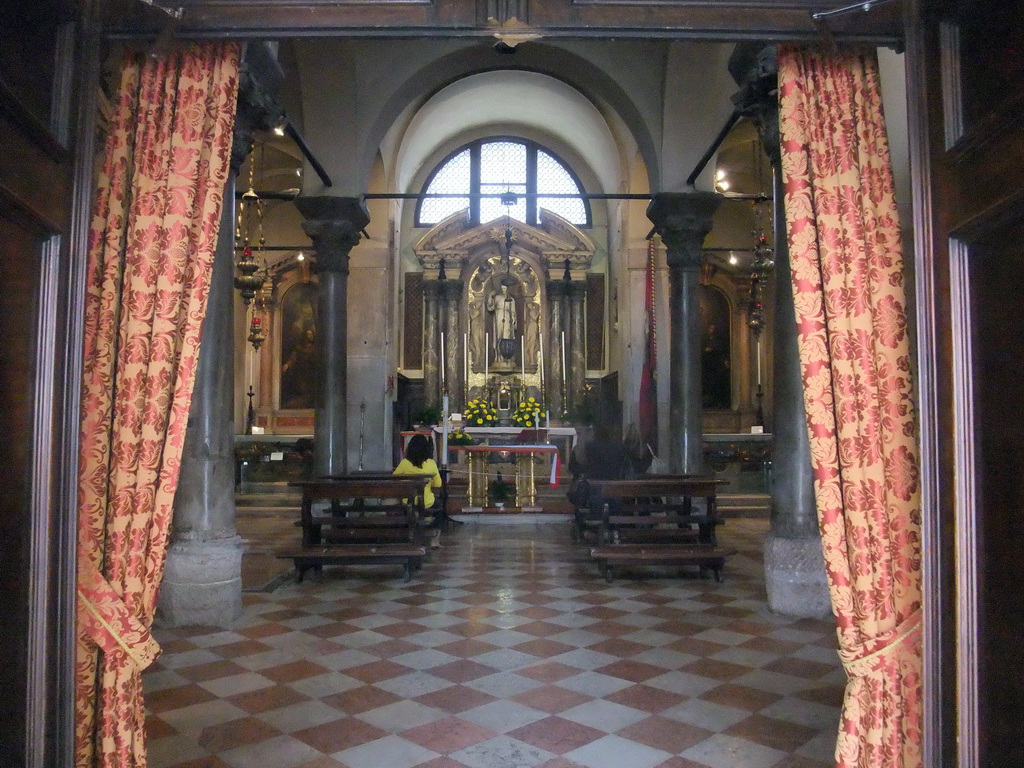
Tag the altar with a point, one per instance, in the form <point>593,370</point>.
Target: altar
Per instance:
<point>534,453</point>
<point>478,457</point>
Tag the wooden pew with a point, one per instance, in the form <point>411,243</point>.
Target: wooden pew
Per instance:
<point>371,520</point>
<point>652,521</point>
<point>588,522</point>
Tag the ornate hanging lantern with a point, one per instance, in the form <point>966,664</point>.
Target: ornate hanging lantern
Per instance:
<point>257,333</point>
<point>761,268</point>
<point>251,263</point>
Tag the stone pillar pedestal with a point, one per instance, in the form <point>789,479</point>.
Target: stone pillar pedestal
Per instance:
<point>683,219</point>
<point>794,575</point>
<point>334,224</point>
<point>202,582</point>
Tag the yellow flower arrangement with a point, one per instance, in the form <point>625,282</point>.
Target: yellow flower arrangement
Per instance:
<point>458,437</point>
<point>479,413</point>
<point>528,413</point>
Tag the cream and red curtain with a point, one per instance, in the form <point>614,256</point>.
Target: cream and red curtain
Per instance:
<point>151,248</point>
<point>847,272</point>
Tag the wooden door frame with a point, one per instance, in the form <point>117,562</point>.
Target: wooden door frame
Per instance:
<point>717,22</point>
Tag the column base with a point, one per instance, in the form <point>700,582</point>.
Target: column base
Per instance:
<point>202,583</point>
<point>794,575</point>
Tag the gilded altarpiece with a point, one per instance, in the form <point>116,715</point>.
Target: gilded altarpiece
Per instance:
<point>506,331</point>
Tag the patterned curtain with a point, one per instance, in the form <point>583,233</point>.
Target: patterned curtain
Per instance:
<point>151,250</point>
<point>847,273</point>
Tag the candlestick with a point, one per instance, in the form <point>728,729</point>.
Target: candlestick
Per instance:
<point>564,374</point>
<point>541,370</point>
<point>444,430</point>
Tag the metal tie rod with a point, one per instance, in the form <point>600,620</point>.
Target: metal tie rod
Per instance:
<point>865,6</point>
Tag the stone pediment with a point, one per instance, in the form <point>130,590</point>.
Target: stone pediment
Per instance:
<point>554,241</point>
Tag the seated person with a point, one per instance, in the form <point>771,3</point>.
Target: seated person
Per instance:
<point>418,461</point>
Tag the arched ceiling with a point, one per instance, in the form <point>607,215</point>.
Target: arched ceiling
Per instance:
<point>509,101</point>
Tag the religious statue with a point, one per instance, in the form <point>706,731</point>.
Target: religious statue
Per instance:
<point>503,305</point>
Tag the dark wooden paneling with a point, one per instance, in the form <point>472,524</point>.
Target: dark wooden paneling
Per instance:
<point>704,19</point>
<point>996,266</point>
<point>595,322</point>
<point>969,208</point>
<point>412,339</point>
<point>19,274</point>
<point>43,219</point>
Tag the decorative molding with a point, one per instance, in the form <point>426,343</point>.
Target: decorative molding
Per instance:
<point>726,20</point>
<point>550,245</point>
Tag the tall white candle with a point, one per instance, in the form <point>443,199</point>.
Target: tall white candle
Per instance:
<point>465,363</point>
<point>487,355</point>
<point>541,371</point>
<point>442,363</point>
<point>565,370</point>
<point>522,354</point>
<point>759,362</point>
<point>444,430</point>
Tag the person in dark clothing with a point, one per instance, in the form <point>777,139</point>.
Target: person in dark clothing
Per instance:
<point>638,454</point>
<point>602,457</point>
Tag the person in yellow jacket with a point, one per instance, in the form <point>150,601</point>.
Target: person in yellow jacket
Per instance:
<point>418,461</point>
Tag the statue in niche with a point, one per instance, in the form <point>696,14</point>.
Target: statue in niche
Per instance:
<point>505,322</point>
<point>531,334</point>
<point>476,335</point>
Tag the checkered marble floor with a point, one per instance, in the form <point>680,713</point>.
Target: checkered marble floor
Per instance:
<point>507,651</point>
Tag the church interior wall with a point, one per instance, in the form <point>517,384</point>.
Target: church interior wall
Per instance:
<point>431,99</point>
<point>696,105</point>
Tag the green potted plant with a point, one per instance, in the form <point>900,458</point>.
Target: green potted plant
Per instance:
<point>585,408</point>
<point>501,491</point>
<point>428,414</point>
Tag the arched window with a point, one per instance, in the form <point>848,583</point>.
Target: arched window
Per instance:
<point>530,176</point>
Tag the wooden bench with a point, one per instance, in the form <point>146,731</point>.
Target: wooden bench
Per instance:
<point>652,521</point>
<point>587,523</point>
<point>370,520</point>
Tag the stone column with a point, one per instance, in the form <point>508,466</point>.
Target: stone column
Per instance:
<point>794,566</point>
<point>683,219</point>
<point>553,357</point>
<point>452,292</point>
<point>334,224</point>
<point>576,339</point>
<point>202,581</point>
<point>431,342</point>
